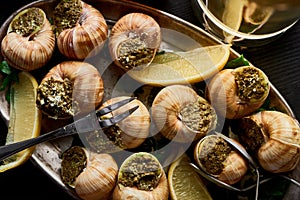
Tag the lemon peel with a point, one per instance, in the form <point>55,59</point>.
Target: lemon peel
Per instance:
<point>25,118</point>
<point>232,17</point>
<point>183,67</point>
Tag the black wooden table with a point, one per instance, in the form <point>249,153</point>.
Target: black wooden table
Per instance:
<point>279,59</point>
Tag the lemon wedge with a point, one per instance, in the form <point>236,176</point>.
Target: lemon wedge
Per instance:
<point>255,16</point>
<point>25,118</point>
<point>232,16</point>
<point>184,182</point>
<point>183,67</point>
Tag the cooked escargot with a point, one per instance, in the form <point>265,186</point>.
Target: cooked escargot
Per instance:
<point>180,114</point>
<point>235,93</point>
<point>81,29</point>
<point>30,41</point>
<point>273,137</point>
<point>134,40</point>
<point>126,134</point>
<point>141,176</point>
<point>215,156</point>
<point>92,175</point>
<point>69,88</point>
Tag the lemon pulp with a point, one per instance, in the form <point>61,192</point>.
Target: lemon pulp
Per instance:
<point>185,183</point>
<point>183,67</point>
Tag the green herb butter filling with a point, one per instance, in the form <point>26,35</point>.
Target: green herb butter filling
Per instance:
<point>66,15</point>
<point>54,97</point>
<point>213,153</point>
<point>28,22</point>
<point>251,84</point>
<point>73,163</point>
<point>251,134</point>
<point>142,171</point>
<point>108,139</point>
<point>134,52</point>
<point>198,116</point>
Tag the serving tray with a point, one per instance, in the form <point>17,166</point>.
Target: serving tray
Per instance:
<point>177,35</point>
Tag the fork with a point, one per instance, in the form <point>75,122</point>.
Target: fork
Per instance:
<point>89,123</point>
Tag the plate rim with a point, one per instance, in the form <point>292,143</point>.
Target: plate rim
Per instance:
<point>35,159</point>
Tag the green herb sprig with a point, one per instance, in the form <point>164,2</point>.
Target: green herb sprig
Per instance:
<point>10,76</point>
<point>238,62</point>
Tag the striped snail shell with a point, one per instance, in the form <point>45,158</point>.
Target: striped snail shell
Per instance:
<point>30,46</point>
<point>87,37</point>
<point>134,40</point>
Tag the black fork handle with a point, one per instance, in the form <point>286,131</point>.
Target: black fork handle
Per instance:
<point>13,148</point>
<point>86,124</point>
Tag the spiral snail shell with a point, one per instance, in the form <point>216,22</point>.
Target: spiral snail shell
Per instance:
<point>92,175</point>
<point>134,40</point>
<point>126,134</point>
<point>141,176</point>
<point>70,88</point>
<point>30,41</point>
<point>273,137</point>
<point>238,92</point>
<point>85,33</point>
<point>180,114</point>
<point>215,156</point>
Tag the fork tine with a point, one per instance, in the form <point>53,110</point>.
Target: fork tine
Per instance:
<point>114,106</point>
<point>115,119</point>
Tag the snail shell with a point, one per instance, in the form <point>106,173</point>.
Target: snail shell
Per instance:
<point>134,40</point>
<point>141,176</point>
<point>69,88</point>
<point>272,136</point>
<point>88,36</point>
<point>215,156</point>
<point>126,134</point>
<point>97,174</point>
<point>181,114</point>
<point>235,93</point>
<point>30,48</point>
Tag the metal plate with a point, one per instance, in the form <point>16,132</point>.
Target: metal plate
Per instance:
<point>177,35</point>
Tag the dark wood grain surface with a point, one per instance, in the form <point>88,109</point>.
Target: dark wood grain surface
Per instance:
<point>279,59</point>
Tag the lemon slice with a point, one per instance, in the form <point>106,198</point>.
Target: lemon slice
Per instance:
<point>185,183</point>
<point>256,14</point>
<point>25,118</point>
<point>232,16</point>
<point>183,67</point>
